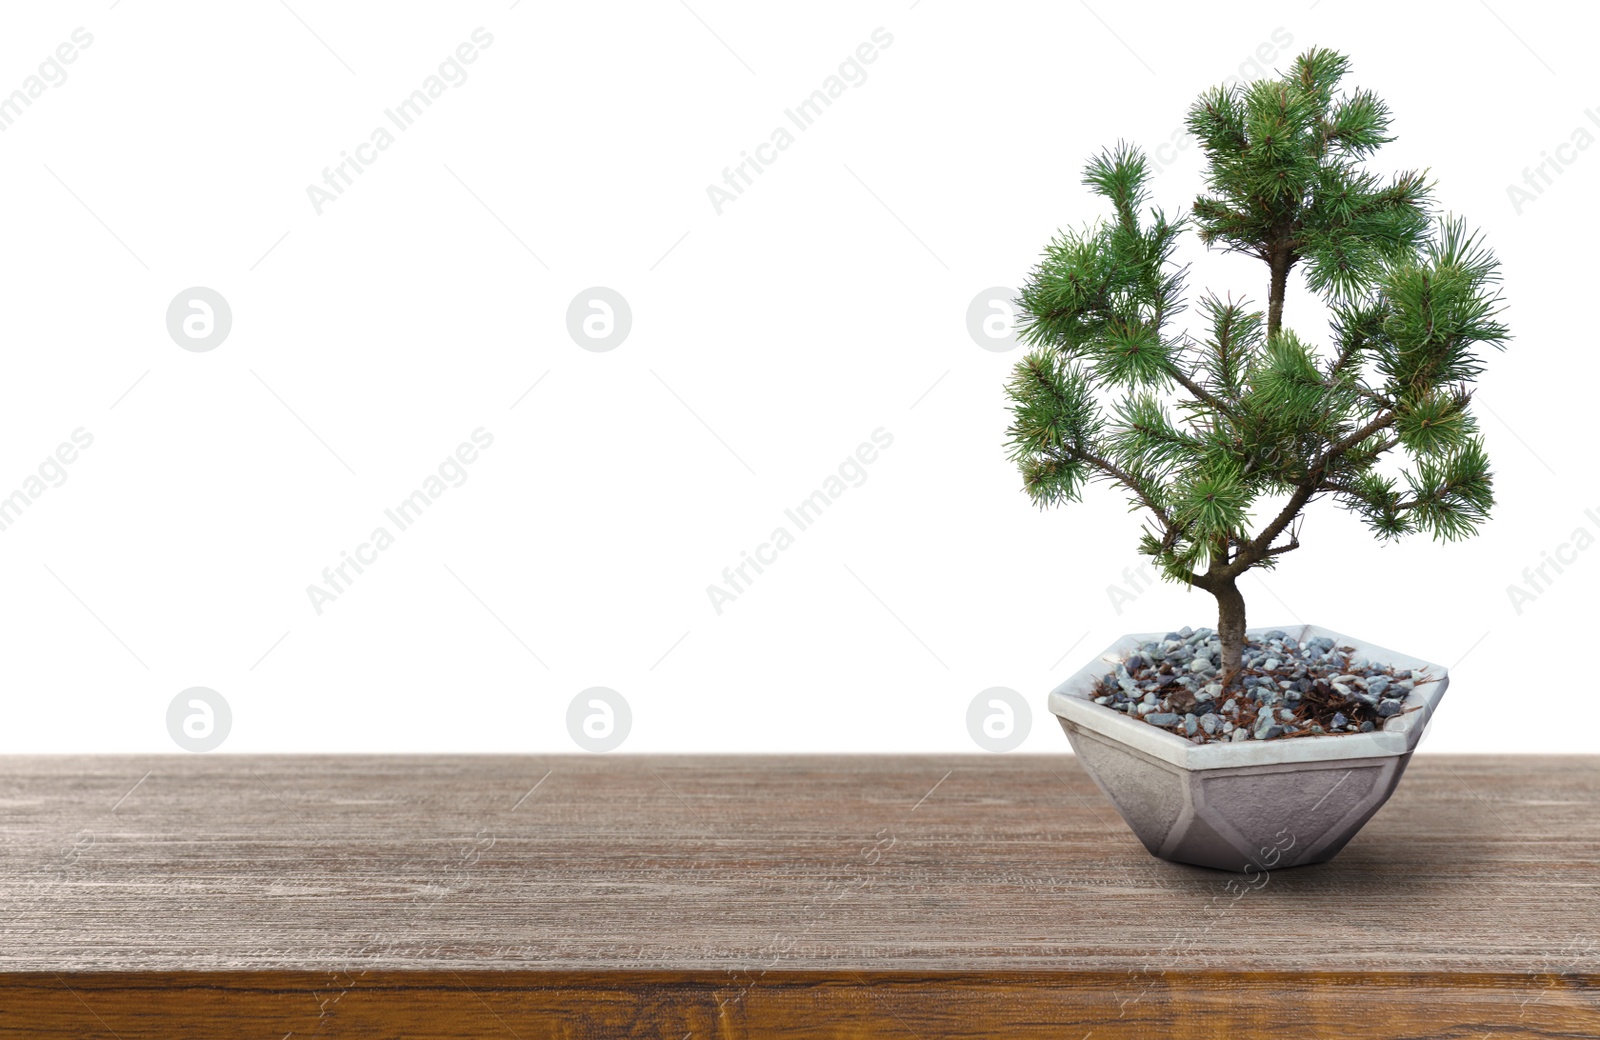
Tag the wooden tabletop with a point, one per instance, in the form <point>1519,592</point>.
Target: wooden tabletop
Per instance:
<point>333,887</point>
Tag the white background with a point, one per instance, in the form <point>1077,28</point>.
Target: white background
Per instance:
<point>767,342</point>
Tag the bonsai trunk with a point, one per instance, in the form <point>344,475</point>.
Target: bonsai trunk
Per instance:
<point>1280,262</point>
<point>1230,625</point>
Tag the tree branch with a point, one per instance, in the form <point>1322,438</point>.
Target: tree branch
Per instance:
<point>1201,394</point>
<point>1258,548</point>
<point>1128,480</point>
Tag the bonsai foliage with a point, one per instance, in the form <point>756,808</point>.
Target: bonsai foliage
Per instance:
<point>1222,438</point>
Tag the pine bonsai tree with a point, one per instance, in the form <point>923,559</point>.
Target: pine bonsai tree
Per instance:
<point>1201,433</point>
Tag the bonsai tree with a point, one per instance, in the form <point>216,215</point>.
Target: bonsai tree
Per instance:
<point>1223,440</point>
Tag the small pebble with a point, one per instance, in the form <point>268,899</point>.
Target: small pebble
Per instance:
<point>1162,718</point>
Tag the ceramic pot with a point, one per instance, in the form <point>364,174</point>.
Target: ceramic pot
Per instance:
<point>1255,804</point>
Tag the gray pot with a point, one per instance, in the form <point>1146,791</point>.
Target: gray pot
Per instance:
<point>1249,806</point>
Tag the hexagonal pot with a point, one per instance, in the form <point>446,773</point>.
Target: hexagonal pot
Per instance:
<point>1253,805</point>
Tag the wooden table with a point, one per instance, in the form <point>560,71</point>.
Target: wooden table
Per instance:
<point>723,897</point>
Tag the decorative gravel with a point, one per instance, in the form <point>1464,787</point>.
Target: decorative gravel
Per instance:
<point>1283,689</point>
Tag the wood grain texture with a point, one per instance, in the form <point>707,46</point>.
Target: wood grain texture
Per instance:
<point>768,896</point>
<point>796,1006</point>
